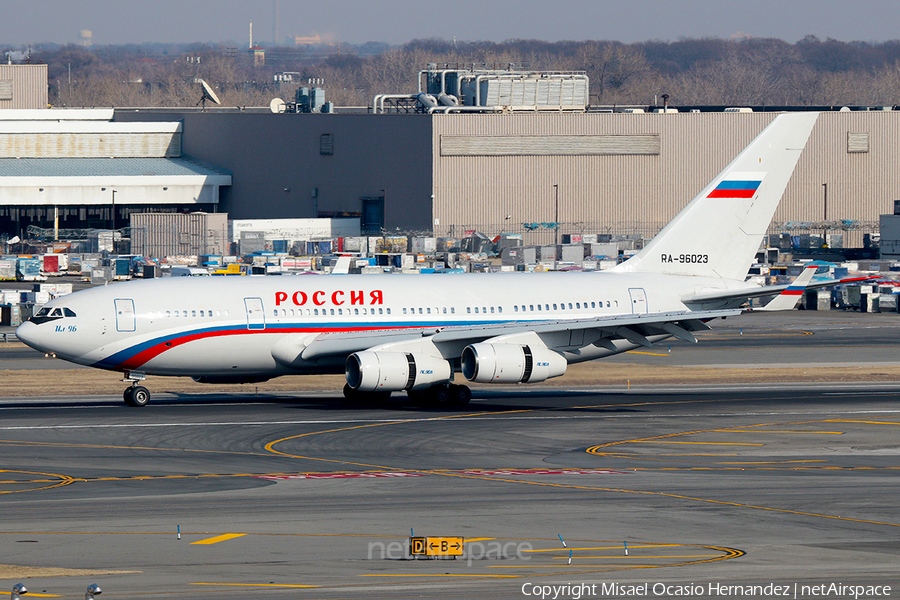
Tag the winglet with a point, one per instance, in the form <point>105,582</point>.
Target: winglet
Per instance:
<point>787,299</point>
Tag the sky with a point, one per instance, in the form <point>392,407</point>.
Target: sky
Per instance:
<point>399,21</point>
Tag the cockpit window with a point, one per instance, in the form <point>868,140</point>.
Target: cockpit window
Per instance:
<point>51,314</point>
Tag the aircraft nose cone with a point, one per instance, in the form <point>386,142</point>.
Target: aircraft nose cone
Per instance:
<point>28,333</point>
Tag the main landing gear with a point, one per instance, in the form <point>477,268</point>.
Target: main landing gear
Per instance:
<point>445,395</point>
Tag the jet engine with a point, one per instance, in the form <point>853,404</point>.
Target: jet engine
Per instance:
<point>511,363</point>
<point>370,371</point>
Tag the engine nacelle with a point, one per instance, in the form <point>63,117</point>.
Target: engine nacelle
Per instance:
<point>511,363</point>
<point>370,371</point>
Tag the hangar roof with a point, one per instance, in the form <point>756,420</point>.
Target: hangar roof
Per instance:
<point>105,167</point>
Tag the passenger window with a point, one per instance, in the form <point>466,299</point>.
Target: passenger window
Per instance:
<point>516,308</point>
<point>316,311</point>
<point>570,306</point>
<point>452,310</point>
<point>469,309</point>
<point>539,307</point>
<point>554,307</point>
<point>332,311</point>
<point>184,313</point>
<point>420,311</point>
<point>218,313</point>
<point>429,310</point>
<point>168,313</point>
<point>476,310</point>
<point>499,309</point>
<point>607,303</point>
<point>388,311</point>
<point>492,309</point>
<point>404,311</point>
<point>355,311</point>
<point>593,305</point>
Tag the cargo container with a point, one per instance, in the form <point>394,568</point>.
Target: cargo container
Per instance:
<point>28,269</point>
<point>570,253</point>
<point>122,268</point>
<point>424,245</point>
<point>100,275</point>
<point>7,270</point>
<point>51,264</point>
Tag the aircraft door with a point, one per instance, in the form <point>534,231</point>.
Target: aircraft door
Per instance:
<point>256,318</point>
<point>124,314</point>
<point>638,301</point>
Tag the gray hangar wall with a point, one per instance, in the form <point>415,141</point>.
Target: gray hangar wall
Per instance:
<point>277,161</point>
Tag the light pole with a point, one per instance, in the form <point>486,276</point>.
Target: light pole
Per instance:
<point>114,211</point>
<point>825,215</point>
<point>556,211</point>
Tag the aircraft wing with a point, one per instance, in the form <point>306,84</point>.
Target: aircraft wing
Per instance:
<point>743,294</point>
<point>557,334</point>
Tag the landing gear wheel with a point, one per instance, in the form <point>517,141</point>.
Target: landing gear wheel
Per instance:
<point>417,396</point>
<point>439,395</point>
<point>137,396</point>
<point>460,395</point>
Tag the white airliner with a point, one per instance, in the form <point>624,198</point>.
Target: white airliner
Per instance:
<point>413,333</point>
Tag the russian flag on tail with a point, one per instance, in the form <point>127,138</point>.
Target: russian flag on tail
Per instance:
<point>737,185</point>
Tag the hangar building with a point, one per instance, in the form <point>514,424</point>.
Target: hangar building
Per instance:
<point>78,168</point>
<point>517,172</point>
<point>589,172</point>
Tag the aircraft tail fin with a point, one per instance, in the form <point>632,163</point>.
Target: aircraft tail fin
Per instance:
<point>719,232</point>
<point>787,299</point>
<point>342,265</point>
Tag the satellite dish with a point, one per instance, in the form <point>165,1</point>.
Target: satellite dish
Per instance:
<point>208,94</point>
<point>277,105</point>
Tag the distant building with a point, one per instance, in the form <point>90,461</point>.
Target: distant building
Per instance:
<point>310,40</point>
<point>23,86</point>
<point>258,56</point>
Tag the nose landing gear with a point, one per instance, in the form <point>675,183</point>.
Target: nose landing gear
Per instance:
<point>136,395</point>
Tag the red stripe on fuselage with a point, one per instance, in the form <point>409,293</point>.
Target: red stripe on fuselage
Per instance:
<point>149,354</point>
